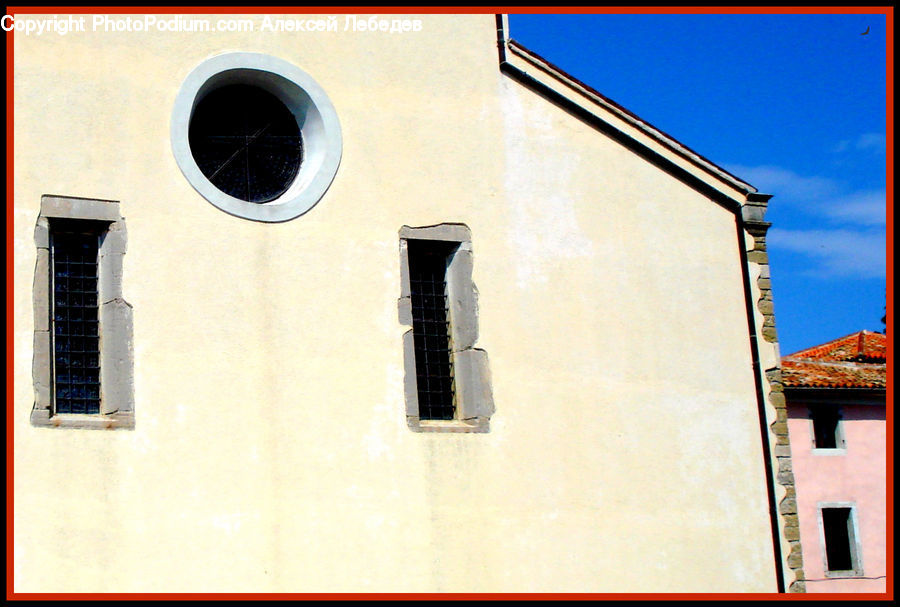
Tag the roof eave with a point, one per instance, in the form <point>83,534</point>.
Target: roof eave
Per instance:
<point>577,92</point>
<point>828,395</point>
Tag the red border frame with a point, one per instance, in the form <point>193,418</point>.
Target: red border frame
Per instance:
<point>889,311</point>
<point>367,10</point>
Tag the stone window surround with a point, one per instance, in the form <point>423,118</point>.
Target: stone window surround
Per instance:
<point>841,449</point>
<point>473,394</point>
<point>855,546</point>
<point>316,117</point>
<point>115,316</point>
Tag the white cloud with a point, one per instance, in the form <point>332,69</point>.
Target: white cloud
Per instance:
<point>867,141</point>
<point>845,237</point>
<point>835,253</point>
<point>868,208</point>
<point>785,183</point>
<point>872,141</point>
<point>815,195</point>
<point>841,146</point>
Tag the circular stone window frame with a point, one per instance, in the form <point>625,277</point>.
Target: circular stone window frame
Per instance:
<point>306,100</point>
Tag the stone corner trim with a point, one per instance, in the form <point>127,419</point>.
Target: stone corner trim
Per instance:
<point>753,213</point>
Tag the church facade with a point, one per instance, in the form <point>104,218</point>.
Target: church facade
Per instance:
<point>362,310</point>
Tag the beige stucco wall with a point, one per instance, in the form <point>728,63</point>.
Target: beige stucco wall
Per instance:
<point>271,451</point>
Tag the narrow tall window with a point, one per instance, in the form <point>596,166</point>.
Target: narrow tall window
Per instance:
<point>840,543</point>
<point>76,338</point>
<point>83,363</point>
<point>447,384</point>
<point>826,427</point>
<point>428,261</point>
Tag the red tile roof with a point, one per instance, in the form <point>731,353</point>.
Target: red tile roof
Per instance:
<point>855,361</point>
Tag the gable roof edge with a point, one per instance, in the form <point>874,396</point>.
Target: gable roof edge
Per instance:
<point>598,98</point>
<point>576,92</point>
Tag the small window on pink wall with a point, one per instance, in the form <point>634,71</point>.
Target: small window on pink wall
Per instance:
<point>827,431</point>
<point>842,553</point>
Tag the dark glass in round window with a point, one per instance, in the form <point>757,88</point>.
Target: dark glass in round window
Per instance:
<point>246,142</point>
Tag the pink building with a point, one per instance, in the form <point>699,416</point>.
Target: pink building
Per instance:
<point>835,394</point>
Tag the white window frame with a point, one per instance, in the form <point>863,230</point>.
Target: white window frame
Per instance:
<point>840,442</point>
<point>306,100</point>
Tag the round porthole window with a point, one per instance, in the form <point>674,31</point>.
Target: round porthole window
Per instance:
<point>256,136</point>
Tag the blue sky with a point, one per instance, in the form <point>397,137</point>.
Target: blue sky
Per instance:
<point>793,104</point>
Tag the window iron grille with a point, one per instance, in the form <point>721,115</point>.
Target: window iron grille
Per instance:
<point>246,142</point>
<point>428,262</point>
<point>76,337</point>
